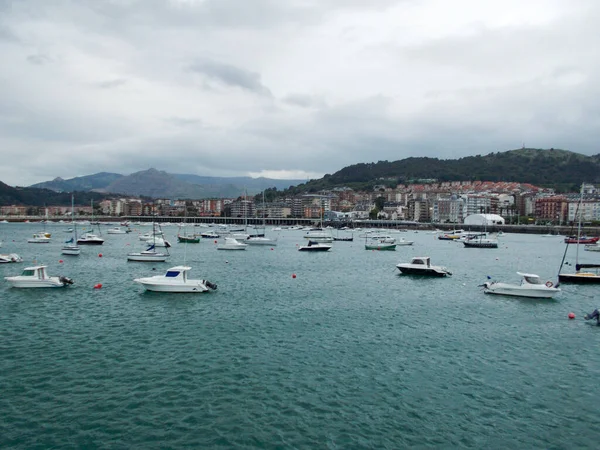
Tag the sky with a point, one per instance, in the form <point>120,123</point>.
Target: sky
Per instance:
<point>289,89</point>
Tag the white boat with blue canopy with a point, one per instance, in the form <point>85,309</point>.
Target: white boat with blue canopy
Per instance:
<point>175,280</point>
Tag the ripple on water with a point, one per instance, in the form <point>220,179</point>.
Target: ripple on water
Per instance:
<point>348,354</point>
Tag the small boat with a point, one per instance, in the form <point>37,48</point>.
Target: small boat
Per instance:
<point>582,276</point>
<point>90,239</point>
<point>481,243</point>
<point>531,286</point>
<point>379,245</point>
<point>581,240</point>
<point>210,235</point>
<point>118,230</point>
<point>402,241</point>
<point>232,244</point>
<point>10,258</point>
<point>318,236</point>
<point>39,238</point>
<point>193,239</point>
<point>260,240</point>
<point>314,246</point>
<point>148,255</point>
<point>175,280</point>
<point>35,276</point>
<point>592,247</point>
<point>71,248</point>
<point>344,239</point>
<point>421,265</point>
<point>159,242</point>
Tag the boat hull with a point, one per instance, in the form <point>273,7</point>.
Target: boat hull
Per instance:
<point>426,272</point>
<point>191,286</point>
<point>468,244</point>
<point>138,258</point>
<point>52,282</point>
<point>579,278</point>
<point>390,247</point>
<point>514,290</point>
<point>72,251</point>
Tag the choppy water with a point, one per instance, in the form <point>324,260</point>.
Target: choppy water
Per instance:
<point>348,354</point>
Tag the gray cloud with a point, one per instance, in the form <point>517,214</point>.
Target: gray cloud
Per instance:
<point>298,85</point>
<point>111,84</point>
<point>230,75</point>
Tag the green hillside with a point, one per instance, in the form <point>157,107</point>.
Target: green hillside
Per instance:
<point>560,169</point>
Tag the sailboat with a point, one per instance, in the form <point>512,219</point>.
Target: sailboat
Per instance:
<point>90,238</point>
<point>580,276</point>
<point>71,247</point>
<point>150,254</point>
<point>258,239</point>
<point>193,239</point>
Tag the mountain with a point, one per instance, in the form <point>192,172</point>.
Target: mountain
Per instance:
<point>97,181</point>
<point>160,184</point>
<point>28,196</point>
<point>561,169</point>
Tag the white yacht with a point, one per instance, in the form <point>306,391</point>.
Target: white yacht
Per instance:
<point>36,277</point>
<point>10,258</point>
<point>531,286</point>
<point>175,280</point>
<point>90,239</point>
<point>232,244</point>
<point>421,265</point>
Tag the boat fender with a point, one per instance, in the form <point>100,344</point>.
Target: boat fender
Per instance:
<point>549,284</point>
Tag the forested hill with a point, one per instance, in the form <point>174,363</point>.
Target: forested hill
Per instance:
<point>22,196</point>
<point>561,169</point>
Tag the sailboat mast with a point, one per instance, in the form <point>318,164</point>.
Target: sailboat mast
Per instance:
<point>579,225</point>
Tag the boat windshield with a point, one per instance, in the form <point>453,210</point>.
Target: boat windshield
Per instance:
<point>172,274</point>
<point>532,279</point>
<point>28,273</point>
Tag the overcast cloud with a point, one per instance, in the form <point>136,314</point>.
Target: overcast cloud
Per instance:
<point>289,89</point>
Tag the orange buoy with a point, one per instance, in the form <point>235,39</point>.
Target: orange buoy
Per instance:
<point>293,275</point>
<point>571,315</point>
<point>98,286</point>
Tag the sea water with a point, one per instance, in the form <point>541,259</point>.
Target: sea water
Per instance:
<point>347,353</point>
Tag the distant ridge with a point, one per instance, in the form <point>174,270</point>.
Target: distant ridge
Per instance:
<point>560,169</point>
<point>160,184</point>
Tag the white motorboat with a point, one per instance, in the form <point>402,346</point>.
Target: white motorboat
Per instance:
<point>10,258</point>
<point>36,277</point>
<point>159,242</point>
<point>592,247</point>
<point>402,241</point>
<point>531,286</point>
<point>421,265</point>
<point>257,240</point>
<point>175,280</point>
<point>314,246</point>
<point>150,235</point>
<point>117,230</point>
<point>90,239</point>
<point>232,244</point>
<point>39,238</point>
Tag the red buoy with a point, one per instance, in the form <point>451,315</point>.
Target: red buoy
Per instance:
<point>293,275</point>
<point>60,261</point>
<point>99,255</point>
<point>571,315</point>
<point>98,286</point>
<point>215,242</point>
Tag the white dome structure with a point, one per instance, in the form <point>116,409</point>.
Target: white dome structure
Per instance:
<point>484,219</point>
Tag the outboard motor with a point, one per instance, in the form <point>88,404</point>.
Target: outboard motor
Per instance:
<point>210,285</point>
<point>65,280</point>
<point>593,315</point>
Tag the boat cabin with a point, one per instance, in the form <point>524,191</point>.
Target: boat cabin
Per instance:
<point>178,272</point>
<point>530,278</point>
<point>38,272</point>
<point>422,260</point>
